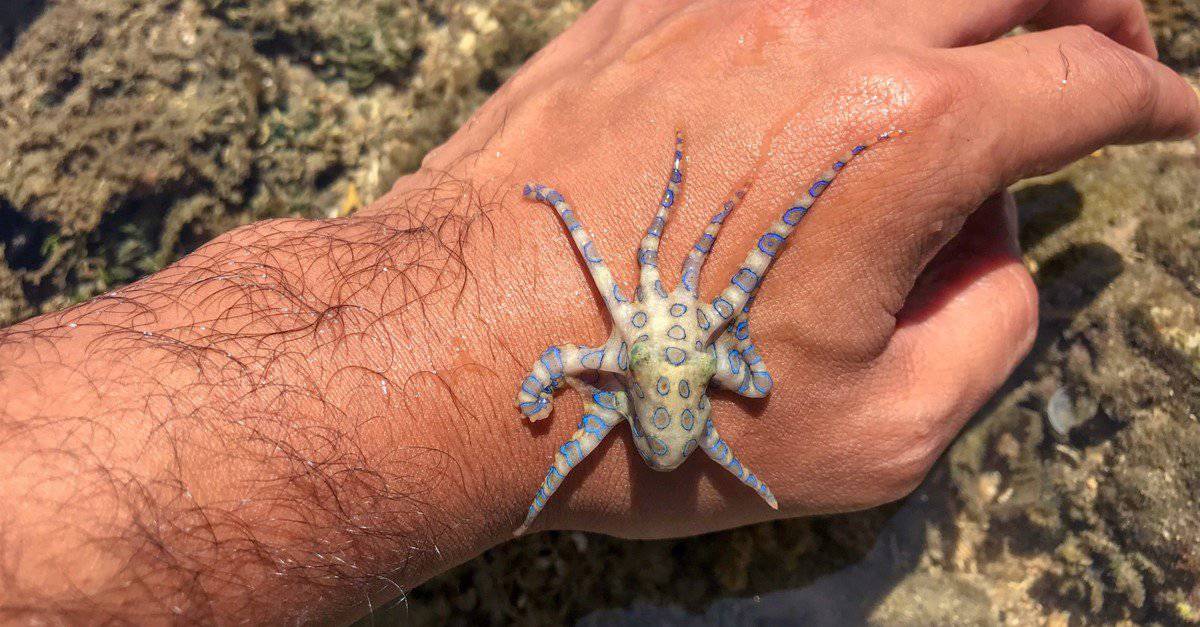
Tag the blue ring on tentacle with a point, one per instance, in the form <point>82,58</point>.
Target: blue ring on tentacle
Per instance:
<point>605,399</point>
<point>659,289</point>
<point>839,164</point>
<point>622,356</point>
<point>769,243</point>
<point>702,319</point>
<point>690,447</point>
<point>750,354</point>
<point>556,366</point>
<point>689,279</point>
<point>648,257</point>
<point>554,197</point>
<point>595,357</point>
<point>638,319</point>
<point>857,149</point>
<point>674,356</point>
<point>741,330</point>
<point>594,425</point>
<point>677,310</point>
<point>676,175</point>
<point>668,198</point>
<point>762,381</point>
<point>677,332</point>
<point>571,221</point>
<point>537,385</point>
<point>657,445</point>
<point>817,188</point>
<point>617,296</point>
<point>566,448</point>
<point>637,389</point>
<point>745,279</point>
<point>589,253</point>
<point>685,388</point>
<point>794,215</point>
<point>705,243</point>
<point>723,307</point>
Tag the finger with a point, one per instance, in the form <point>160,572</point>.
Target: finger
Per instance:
<point>965,22</point>
<point>1123,21</point>
<point>968,323</point>
<point>1045,99</point>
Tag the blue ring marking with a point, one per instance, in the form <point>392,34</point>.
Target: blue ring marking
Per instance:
<point>735,361</point>
<point>744,386</point>
<point>537,192</point>
<point>687,420</point>
<point>857,149</point>
<point>678,309</point>
<point>642,338</point>
<point>689,448</point>
<point>598,354</point>
<point>617,295</point>
<point>656,226</point>
<point>553,197</point>
<point>622,357</point>
<point>675,356</point>
<point>537,386</point>
<point>749,301</point>
<point>703,401</point>
<point>741,470</point>
<point>571,221</point>
<point>663,386</point>
<point>668,198</point>
<point>769,243</point>
<point>605,399</point>
<point>676,332</point>
<point>702,319</point>
<point>699,345</point>
<point>593,424</point>
<point>745,279</point>
<point>566,448</point>
<point>750,354</point>
<point>705,243</point>
<point>528,190</point>
<point>794,215</point>
<point>638,319</point>
<point>689,279</point>
<point>661,418</point>
<point>724,308</point>
<point>657,445</point>
<point>817,188</point>
<point>589,253</point>
<point>741,330</point>
<point>638,294</point>
<point>676,175</point>
<point>636,428</point>
<point>530,408</point>
<point>648,257</point>
<point>557,365</point>
<point>762,381</point>
<point>637,389</point>
<point>838,165</point>
<point>685,389</point>
<point>659,289</point>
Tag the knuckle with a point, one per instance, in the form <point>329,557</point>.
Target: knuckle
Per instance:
<point>917,88</point>
<point>1124,73</point>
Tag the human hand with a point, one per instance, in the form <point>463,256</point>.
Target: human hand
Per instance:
<point>901,303</point>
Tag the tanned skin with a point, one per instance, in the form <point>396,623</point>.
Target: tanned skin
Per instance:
<point>305,418</point>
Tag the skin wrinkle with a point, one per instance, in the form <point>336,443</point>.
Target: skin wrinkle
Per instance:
<point>321,498</point>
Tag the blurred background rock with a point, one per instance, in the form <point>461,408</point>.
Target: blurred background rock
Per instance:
<point>131,131</point>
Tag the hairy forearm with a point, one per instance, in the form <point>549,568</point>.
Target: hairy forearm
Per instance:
<point>299,415</point>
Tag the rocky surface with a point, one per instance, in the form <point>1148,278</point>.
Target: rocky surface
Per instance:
<point>133,130</point>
